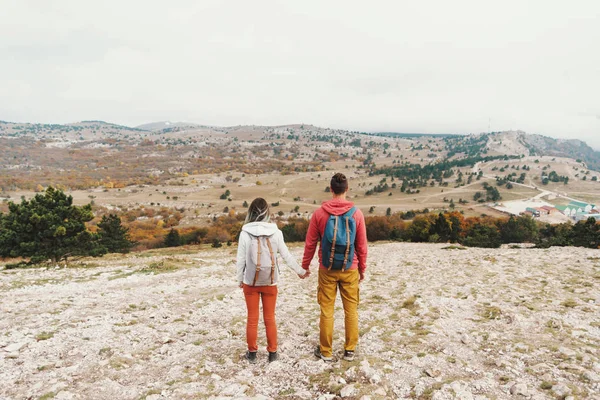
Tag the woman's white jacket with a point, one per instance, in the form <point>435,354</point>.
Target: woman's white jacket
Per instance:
<point>263,229</point>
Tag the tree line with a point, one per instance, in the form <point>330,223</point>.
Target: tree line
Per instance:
<point>51,227</point>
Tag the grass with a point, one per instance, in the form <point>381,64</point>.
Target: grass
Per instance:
<point>158,267</point>
<point>545,385</point>
<point>119,363</point>
<point>44,336</point>
<point>410,303</point>
<point>47,396</point>
<point>569,303</point>
<point>491,312</point>
<point>149,393</point>
<point>454,247</point>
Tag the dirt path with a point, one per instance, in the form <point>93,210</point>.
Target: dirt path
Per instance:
<point>435,324</point>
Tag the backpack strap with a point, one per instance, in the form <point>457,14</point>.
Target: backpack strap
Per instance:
<point>348,215</point>
<point>350,212</point>
<point>272,258</point>
<point>257,261</point>
<point>335,228</point>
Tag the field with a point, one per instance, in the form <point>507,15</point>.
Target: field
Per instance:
<point>436,322</point>
<point>190,167</point>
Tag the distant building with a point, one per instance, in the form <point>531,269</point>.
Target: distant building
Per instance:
<point>581,207</point>
<point>566,210</point>
<point>548,210</point>
<point>584,217</point>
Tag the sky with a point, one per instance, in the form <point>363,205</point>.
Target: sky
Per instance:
<point>404,66</point>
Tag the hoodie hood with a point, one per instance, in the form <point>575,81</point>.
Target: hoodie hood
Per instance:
<point>337,206</point>
<point>260,228</point>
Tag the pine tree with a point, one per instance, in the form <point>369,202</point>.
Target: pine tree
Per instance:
<point>48,226</point>
<point>172,239</point>
<point>113,236</point>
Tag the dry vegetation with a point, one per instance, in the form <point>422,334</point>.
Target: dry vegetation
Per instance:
<point>187,168</point>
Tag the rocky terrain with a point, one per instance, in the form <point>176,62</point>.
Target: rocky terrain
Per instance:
<point>437,322</point>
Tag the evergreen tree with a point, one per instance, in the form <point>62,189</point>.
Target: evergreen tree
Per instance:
<point>586,233</point>
<point>481,235</point>
<point>172,239</point>
<point>442,228</point>
<point>113,236</point>
<point>48,226</point>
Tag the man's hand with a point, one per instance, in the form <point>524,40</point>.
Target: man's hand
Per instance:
<point>241,285</point>
<point>306,275</point>
<point>362,277</point>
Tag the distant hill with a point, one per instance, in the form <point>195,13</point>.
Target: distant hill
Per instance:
<point>162,125</point>
<point>412,135</point>
<point>519,142</point>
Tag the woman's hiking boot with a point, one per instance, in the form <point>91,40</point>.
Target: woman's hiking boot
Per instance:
<point>348,355</point>
<point>251,357</point>
<point>273,356</point>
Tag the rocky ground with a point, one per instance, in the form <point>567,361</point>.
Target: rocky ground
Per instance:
<point>436,323</point>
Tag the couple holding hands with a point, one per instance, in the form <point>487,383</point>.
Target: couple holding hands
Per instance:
<point>339,227</point>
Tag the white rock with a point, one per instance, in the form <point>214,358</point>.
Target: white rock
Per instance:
<point>464,338</point>
<point>66,395</point>
<point>591,376</point>
<point>380,392</point>
<point>234,389</point>
<point>14,347</point>
<point>375,379</point>
<point>567,352</point>
<point>461,390</point>
<point>519,389</point>
<point>347,391</point>
<point>326,397</point>
<point>365,397</point>
<point>154,397</point>
<point>561,389</point>
<point>342,381</point>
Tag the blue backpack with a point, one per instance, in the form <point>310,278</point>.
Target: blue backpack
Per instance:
<point>337,245</point>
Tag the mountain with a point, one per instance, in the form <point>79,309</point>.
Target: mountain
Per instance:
<point>519,142</point>
<point>162,125</point>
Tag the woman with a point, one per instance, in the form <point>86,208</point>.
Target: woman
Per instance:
<point>258,273</point>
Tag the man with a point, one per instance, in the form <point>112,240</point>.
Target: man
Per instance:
<point>331,276</point>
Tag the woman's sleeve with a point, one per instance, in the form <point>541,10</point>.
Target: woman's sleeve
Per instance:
<point>241,257</point>
<point>287,256</point>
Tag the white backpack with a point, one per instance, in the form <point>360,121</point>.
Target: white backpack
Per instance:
<point>261,261</point>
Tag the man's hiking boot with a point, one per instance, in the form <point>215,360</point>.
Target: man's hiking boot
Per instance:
<point>321,356</point>
<point>348,355</point>
<point>273,356</point>
<point>251,357</point>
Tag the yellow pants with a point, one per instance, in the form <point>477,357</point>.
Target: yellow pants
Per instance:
<point>329,281</point>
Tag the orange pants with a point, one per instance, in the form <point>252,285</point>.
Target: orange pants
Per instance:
<point>253,295</point>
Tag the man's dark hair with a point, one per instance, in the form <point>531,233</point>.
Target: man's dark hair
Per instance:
<point>339,183</point>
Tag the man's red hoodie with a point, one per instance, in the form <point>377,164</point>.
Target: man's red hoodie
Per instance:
<point>316,230</point>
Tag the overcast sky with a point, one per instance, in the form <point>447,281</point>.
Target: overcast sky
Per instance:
<point>405,66</point>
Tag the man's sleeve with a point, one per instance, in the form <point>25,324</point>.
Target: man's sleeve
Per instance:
<point>360,243</point>
<point>310,245</point>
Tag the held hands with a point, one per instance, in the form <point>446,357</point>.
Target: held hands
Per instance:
<point>306,275</point>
